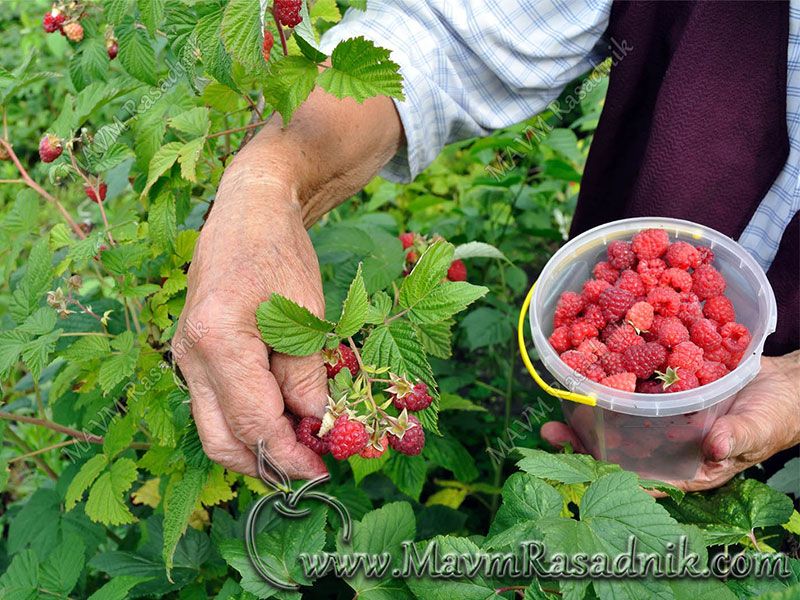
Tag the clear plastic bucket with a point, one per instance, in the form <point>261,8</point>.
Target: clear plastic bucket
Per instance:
<point>657,435</point>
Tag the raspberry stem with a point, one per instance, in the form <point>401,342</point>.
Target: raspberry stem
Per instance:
<point>281,33</point>
<point>95,189</point>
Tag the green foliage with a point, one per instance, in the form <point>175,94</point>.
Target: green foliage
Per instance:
<point>120,500</point>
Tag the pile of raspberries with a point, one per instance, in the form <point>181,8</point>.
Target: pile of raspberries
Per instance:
<point>653,319</point>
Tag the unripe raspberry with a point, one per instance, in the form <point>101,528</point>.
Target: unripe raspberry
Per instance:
<point>307,431</point>
<point>347,437</point>
<point>457,271</point>
<point>266,47</point>
<point>336,360</point>
<point>412,441</point>
<point>50,148</point>
<point>73,31</point>
<point>287,12</point>
<point>90,192</point>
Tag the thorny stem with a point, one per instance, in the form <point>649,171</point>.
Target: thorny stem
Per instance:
<point>26,179</point>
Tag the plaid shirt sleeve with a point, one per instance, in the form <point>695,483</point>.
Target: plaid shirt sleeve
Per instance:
<point>472,66</point>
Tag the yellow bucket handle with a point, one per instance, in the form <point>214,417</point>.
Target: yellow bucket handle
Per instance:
<point>563,394</point>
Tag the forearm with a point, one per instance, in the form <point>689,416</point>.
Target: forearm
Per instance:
<point>329,150</point>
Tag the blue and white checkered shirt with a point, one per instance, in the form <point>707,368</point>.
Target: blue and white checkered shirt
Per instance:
<point>472,66</point>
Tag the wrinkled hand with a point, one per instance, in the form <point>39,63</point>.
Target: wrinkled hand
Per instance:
<point>763,420</point>
<point>253,244</point>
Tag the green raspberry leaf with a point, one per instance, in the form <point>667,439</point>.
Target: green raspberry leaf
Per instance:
<point>152,13</point>
<point>355,308</point>
<point>85,477</point>
<point>437,338</point>
<point>179,503</point>
<point>288,84</point>
<point>119,365</point>
<point>360,70</point>
<point>444,301</point>
<point>241,31</point>
<point>429,272</point>
<point>290,328</point>
<point>136,52</point>
<point>563,468</point>
<point>106,503</point>
<point>59,573</point>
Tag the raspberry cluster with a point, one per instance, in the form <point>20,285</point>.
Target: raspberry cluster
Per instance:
<point>357,423</point>
<point>57,19</point>
<point>654,318</point>
<point>415,244</point>
<point>287,12</point>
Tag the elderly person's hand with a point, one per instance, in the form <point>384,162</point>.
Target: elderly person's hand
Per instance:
<point>254,244</point>
<point>763,420</point>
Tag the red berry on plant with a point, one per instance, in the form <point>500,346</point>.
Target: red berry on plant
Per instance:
<point>53,20</point>
<point>650,243</point>
<point>347,437</point>
<point>707,282</point>
<point>719,309</point>
<point>682,256</point>
<point>338,359</point>
<point>412,441</point>
<point>73,31</point>
<point>287,12</point>
<point>112,48</point>
<point>407,239</point>
<point>620,255</point>
<point>307,431</point>
<point>50,148</point>
<point>415,400</point>
<point>375,449</point>
<point>266,46</point>
<point>457,271</point>
<point>92,195</point>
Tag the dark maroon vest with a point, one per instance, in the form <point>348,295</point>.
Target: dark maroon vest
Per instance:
<point>694,127</point>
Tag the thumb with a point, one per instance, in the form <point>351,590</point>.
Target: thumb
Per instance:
<point>303,382</point>
<point>732,436</point>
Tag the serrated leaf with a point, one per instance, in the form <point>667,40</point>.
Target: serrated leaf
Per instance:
<point>39,323</point>
<point>786,480</point>
<point>106,502</point>
<point>241,31</point>
<point>379,308</point>
<point>11,345</point>
<point>116,10</point>
<point>407,473</point>
<point>452,455</point>
<point>361,70</point>
<point>354,309</point>
<point>136,53</point>
<point>288,84</point>
<point>163,221</point>
<point>113,157</point>
<point>290,328</point>
<point>118,436</point>
<point>564,468</point>
<point>118,366</point>
<point>444,301</point>
<point>477,250</point>
<point>21,578</point>
<point>36,353</point>
<point>396,346</point>
<point>179,503</point>
<point>188,155</point>
<point>366,466</point>
<point>161,162</point>
<point>152,13</point>
<point>475,587</point>
<point>61,569</point>
<point>118,588</point>
<point>194,122</point>
<point>456,402</point>
<point>34,283</point>
<point>436,338</point>
<point>486,326</point>
<point>90,470</point>
<point>428,273</point>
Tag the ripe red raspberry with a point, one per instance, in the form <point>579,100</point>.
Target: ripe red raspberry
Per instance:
<point>620,255</point>
<point>612,363</point>
<point>412,441</point>
<point>706,255</point>
<point>650,243</point>
<point>685,381</point>
<point>593,346</point>
<point>568,307</point>
<point>577,360</point>
<point>266,47</point>
<point>457,271</point>
<point>630,281</point>
<point>622,338</point>
<point>711,371</point>
<point>417,399</point>
<point>560,339</point>
<point>734,360</point>
<point>672,332</point>
<point>644,359</point>
<point>50,148</point>
<point>719,309</point>
<point>615,302</point>
<point>581,330</point>
<point>650,386</point>
<point>90,193</point>
<point>53,20</point>
<point>73,31</point>
<point>605,271</point>
<point>703,333</point>
<point>340,358</point>
<point>594,314</point>
<point>595,372</point>
<point>375,449</point>
<point>652,334</point>
<point>408,239</point>
<point>112,48</point>
<point>677,279</point>
<point>687,357</point>
<point>682,256</point>
<point>650,271</point>
<point>621,381</point>
<point>307,431</point>
<point>640,316</point>
<point>707,282</point>
<point>720,355</point>
<point>665,301</point>
<point>690,308</point>
<point>735,337</point>
<point>287,12</point>
<point>592,289</point>
<point>347,437</point>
